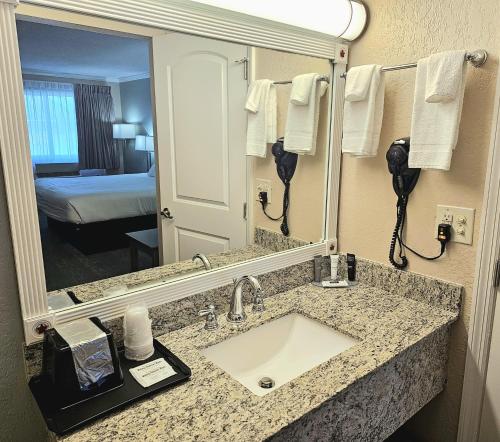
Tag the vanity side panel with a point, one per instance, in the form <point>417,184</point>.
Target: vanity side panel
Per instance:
<point>376,406</point>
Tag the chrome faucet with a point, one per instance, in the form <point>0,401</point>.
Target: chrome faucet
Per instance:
<point>236,311</point>
<point>203,259</point>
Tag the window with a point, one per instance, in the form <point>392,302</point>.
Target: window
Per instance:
<point>51,115</point>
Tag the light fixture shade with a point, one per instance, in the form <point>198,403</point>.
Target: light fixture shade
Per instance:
<point>340,18</point>
<point>358,21</point>
<point>123,131</point>
<point>145,143</point>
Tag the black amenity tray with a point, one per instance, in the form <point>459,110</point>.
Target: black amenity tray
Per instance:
<point>74,416</point>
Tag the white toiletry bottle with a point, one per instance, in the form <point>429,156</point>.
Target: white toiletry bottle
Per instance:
<point>334,265</point>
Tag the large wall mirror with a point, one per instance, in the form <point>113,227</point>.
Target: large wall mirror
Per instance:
<point>145,165</point>
<point>148,157</point>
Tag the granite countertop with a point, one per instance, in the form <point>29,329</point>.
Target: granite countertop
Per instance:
<point>132,281</point>
<point>213,406</point>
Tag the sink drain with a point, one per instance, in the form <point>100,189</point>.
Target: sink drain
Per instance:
<point>266,382</point>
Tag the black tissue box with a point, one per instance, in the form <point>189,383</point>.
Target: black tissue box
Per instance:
<point>58,368</point>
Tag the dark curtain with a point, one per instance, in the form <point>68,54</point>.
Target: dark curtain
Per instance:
<point>94,118</point>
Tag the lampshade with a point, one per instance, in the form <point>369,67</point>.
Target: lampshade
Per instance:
<point>340,18</point>
<point>144,142</point>
<point>123,131</point>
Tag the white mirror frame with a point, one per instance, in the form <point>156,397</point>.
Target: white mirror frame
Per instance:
<point>175,15</point>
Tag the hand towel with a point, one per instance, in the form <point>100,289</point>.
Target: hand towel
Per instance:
<point>301,89</point>
<point>261,118</point>
<point>302,121</point>
<point>444,76</point>
<point>434,126</point>
<point>358,82</point>
<point>363,119</point>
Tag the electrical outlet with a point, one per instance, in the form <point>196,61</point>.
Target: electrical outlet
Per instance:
<point>461,220</point>
<point>262,185</point>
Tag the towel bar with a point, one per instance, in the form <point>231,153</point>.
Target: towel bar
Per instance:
<point>475,58</point>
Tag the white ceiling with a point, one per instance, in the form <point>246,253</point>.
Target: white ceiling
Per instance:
<point>75,53</point>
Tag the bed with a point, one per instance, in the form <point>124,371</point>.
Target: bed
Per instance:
<point>84,200</point>
<point>94,212</point>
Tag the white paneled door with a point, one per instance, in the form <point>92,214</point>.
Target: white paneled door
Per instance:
<point>200,91</point>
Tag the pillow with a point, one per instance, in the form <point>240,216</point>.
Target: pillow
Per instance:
<point>152,171</point>
<point>92,172</point>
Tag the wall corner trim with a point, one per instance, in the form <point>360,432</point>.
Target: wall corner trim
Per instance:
<point>484,292</point>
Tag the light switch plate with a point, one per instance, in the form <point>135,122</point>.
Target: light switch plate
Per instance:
<point>461,220</point>
<point>262,185</point>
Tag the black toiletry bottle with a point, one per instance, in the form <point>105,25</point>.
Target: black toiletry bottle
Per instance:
<point>351,267</point>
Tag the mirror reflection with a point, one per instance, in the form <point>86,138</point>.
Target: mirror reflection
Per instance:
<point>158,158</point>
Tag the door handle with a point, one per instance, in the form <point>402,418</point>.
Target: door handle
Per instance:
<point>166,213</point>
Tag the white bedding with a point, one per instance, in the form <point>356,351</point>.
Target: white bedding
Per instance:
<point>82,200</point>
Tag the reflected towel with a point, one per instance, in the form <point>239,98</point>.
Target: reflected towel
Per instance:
<point>302,121</point>
<point>261,117</point>
<point>301,89</point>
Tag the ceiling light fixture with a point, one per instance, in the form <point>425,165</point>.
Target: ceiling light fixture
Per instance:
<point>341,18</point>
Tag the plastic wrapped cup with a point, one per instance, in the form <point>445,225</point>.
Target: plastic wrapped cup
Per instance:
<point>138,338</point>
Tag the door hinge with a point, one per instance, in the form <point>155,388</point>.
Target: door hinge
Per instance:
<point>496,278</point>
<point>244,210</point>
<point>244,61</point>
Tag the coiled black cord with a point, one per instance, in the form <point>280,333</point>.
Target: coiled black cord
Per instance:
<point>400,210</point>
<point>397,235</point>
<point>284,214</point>
<point>400,238</point>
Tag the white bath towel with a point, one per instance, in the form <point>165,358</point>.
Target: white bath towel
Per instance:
<point>301,127</point>
<point>434,126</point>
<point>444,76</point>
<point>358,82</point>
<point>261,118</point>
<point>301,89</point>
<point>363,119</point>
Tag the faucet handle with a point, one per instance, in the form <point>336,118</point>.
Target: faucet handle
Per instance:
<point>258,302</point>
<point>209,312</point>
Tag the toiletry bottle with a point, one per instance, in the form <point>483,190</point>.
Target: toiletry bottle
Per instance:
<point>334,265</point>
<point>351,267</point>
<point>318,259</point>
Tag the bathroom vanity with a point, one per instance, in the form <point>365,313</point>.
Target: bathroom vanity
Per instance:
<point>338,364</point>
<point>395,365</point>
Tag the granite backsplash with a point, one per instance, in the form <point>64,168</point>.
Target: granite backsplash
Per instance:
<point>183,312</point>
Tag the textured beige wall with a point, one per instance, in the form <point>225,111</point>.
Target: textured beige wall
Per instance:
<point>20,418</point>
<point>307,188</point>
<point>402,31</point>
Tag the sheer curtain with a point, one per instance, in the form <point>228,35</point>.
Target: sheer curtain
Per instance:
<point>51,115</point>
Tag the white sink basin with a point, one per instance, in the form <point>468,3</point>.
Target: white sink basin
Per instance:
<point>282,350</point>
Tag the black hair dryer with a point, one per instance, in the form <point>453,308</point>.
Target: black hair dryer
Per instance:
<point>286,163</point>
<point>404,180</point>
